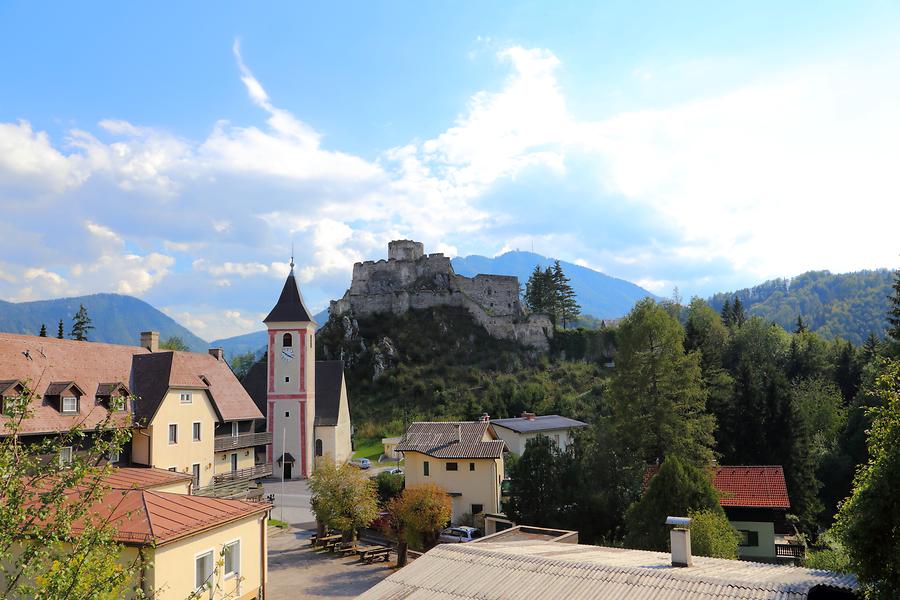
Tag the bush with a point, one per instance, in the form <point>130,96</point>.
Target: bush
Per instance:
<point>388,485</point>
<point>712,535</point>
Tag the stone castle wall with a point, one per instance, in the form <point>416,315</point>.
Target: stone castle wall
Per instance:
<point>412,279</point>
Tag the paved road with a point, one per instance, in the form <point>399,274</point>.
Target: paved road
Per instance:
<point>291,502</point>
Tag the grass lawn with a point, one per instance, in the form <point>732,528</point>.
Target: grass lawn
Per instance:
<point>371,449</point>
<point>277,523</point>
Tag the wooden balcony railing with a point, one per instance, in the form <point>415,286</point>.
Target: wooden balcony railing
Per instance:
<point>793,551</point>
<point>255,472</point>
<point>244,440</point>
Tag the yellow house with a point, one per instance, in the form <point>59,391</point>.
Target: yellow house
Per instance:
<point>464,458</point>
<point>194,417</point>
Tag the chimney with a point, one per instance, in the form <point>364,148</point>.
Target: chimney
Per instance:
<point>217,353</point>
<point>458,433</point>
<point>150,340</point>
<point>485,418</point>
<point>528,415</point>
<point>680,540</point>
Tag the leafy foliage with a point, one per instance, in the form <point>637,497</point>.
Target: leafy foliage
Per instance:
<point>342,497</point>
<point>416,516</point>
<point>550,292</point>
<point>868,523</point>
<point>542,482</point>
<point>241,364</point>
<point>677,489</point>
<point>174,343</point>
<point>712,535</point>
<point>388,486</point>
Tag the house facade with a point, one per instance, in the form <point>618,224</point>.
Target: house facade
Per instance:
<point>187,411</point>
<point>464,458</point>
<point>517,431</point>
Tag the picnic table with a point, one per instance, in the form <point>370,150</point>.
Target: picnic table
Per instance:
<point>324,540</point>
<point>372,553</point>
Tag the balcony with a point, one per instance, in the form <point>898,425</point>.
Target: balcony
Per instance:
<point>255,472</point>
<point>789,551</point>
<point>244,440</point>
<point>235,484</point>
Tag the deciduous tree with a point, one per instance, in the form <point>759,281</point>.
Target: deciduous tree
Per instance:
<point>174,342</point>
<point>416,516</point>
<point>342,497</point>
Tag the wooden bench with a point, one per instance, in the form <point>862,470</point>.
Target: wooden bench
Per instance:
<point>317,541</point>
<point>372,553</point>
<point>345,548</point>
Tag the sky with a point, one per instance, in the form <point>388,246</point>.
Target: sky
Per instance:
<point>177,151</point>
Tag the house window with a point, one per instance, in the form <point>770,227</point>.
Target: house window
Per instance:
<point>196,431</point>
<point>173,433</point>
<point>173,469</point>
<point>69,404</point>
<point>232,552</point>
<point>452,466</point>
<point>235,429</point>
<point>318,447</point>
<point>114,457</point>
<point>186,398</point>
<point>425,466</point>
<point>471,466</point>
<point>234,462</point>
<point>477,509</point>
<point>65,456</point>
<point>287,341</point>
<point>203,570</point>
<point>749,539</point>
<point>195,469</point>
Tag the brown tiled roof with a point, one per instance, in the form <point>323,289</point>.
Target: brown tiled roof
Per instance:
<point>38,361</point>
<point>149,517</point>
<point>143,478</point>
<point>444,440</point>
<point>155,373</point>
<point>752,486</point>
<point>105,389</point>
<point>94,368</point>
<point>58,387</point>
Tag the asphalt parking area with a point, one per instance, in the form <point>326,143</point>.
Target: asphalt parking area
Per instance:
<point>298,572</point>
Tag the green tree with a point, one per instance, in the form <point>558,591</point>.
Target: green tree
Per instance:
<point>657,396</point>
<point>388,485</point>
<point>241,363</point>
<point>59,331</point>
<point>739,317</point>
<point>540,293</point>
<point>81,324</point>
<point>52,544</point>
<point>541,483</point>
<point>566,301</point>
<point>727,314</point>
<point>43,331</point>
<point>174,342</point>
<point>416,516</point>
<point>893,317</point>
<point>676,490</point>
<point>712,535</point>
<point>868,523</point>
<point>342,498</point>
<point>800,326</point>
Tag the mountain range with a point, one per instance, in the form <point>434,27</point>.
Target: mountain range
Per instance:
<point>117,319</point>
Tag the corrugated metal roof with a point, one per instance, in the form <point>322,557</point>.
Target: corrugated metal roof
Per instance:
<point>465,439</point>
<point>542,570</point>
<point>538,423</point>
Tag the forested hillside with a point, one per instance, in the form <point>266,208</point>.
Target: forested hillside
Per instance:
<point>849,306</point>
<point>116,319</point>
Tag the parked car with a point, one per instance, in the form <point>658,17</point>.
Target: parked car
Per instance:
<point>454,535</point>
<point>396,471</point>
<point>362,463</point>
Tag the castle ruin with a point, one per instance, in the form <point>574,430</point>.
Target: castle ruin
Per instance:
<point>409,278</point>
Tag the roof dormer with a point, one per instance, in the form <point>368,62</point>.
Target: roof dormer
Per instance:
<point>65,396</point>
<point>112,396</point>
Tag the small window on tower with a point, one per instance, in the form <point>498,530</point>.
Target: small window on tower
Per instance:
<point>287,341</point>
<point>287,414</point>
<point>287,379</point>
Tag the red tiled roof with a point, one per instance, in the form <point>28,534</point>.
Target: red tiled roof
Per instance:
<point>143,478</point>
<point>440,440</point>
<point>752,486</point>
<point>145,517</point>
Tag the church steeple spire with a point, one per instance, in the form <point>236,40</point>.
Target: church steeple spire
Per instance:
<point>290,306</point>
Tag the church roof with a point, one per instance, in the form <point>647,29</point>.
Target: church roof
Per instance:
<point>290,305</point>
<point>329,380</point>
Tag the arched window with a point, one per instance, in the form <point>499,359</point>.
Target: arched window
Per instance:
<point>318,447</point>
<point>287,341</point>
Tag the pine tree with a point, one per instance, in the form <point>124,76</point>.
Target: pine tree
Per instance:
<point>870,349</point>
<point>81,324</point>
<point>540,293</point>
<point>43,332</point>
<point>800,327</point>
<point>737,309</point>
<point>727,314</point>
<point>59,332</point>
<point>893,317</point>
<point>566,302</point>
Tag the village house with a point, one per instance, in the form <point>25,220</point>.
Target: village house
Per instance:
<point>187,411</point>
<point>526,565</point>
<point>755,501</point>
<point>304,400</point>
<point>517,431</point>
<point>464,458</point>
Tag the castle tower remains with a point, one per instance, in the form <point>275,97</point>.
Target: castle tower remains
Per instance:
<point>405,250</point>
<point>291,389</point>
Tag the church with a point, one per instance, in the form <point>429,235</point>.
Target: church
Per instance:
<point>304,400</point>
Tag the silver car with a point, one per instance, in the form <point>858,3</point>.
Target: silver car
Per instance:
<point>455,535</point>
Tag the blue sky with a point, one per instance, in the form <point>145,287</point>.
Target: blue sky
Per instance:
<point>174,151</point>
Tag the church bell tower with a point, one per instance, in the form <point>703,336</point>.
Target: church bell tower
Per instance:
<point>291,388</point>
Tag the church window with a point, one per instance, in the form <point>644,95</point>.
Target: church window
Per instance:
<point>318,447</point>
<point>287,341</point>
